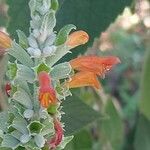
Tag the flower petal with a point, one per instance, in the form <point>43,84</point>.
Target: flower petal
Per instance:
<point>44,79</point>
<point>5,40</point>
<point>77,38</point>
<point>95,64</point>
<point>47,94</point>
<point>84,79</point>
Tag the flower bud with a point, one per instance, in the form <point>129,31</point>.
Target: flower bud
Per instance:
<point>5,42</point>
<point>34,52</point>
<point>77,38</point>
<point>49,50</point>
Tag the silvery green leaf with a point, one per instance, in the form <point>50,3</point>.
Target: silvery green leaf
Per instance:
<point>65,93</point>
<point>28,113</point>
<point>1,133</point>
<point>36,33</point>
<point>16,134</point>
<point>44,8</point>
<point>39,140</point>
<point>63,34</point>
<point>48,24</point>
<point>25,73</point>
<point>13,110</point>
<point>49,51</point>
<point>60,52</point>
<point>20,124</point>
<point>10,142</point>
<point>23,41</point>
<point>32,41</point>
<point>31,145</point>
<point>23,98</point>
<point>25,138</point>
<point>32,5</point>
<point>34,52</point>
<point>20,54</point>
<point>22,84</point>
<point>50,40</point>
<point>48,127</point>
<point>12,70</point>
<point>61,71</point>
<point>3,121</point>
<point>65,141</point>
<point>43,113</point>
<point>36,22</point>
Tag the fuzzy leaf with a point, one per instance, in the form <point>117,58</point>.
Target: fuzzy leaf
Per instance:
<point>20,54</point>
<point>39,140</point>
<point>63,34</point>
<point>9,141</point>
<point>23,41</point>
<point>28,113</point>
<point>12,70</point>
<point>65,142</point>
<point>48,23</point>
<point>20,124</point>
<point>23,98</point>
<point>3,121</point>
<point>16,134</point>
<point>25,73</point>
<point>25,138</point>
<point>60,52</point>
<point>48,128</point>
<point>61,71</point>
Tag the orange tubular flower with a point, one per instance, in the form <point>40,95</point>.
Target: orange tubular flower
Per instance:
<point>77,38</point>
<point>47,95</point>
<point>5,41</point>
<point>95,64</point>
<point>84,79</point>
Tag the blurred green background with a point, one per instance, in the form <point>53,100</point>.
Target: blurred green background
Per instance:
<point>118,116</point>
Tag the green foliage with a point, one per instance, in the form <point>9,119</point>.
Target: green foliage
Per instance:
<point>142,137</point>
<point>111,129</point>
<point>81,141</point>
<point>91,16</point>
<point>3,15</point>
<point>145,86</point>
<point>18,13</point>
<point>77,114</point>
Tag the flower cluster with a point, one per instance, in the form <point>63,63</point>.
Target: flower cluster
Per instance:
<point>89,68</point>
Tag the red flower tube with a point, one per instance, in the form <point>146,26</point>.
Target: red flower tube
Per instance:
<point>47,94</point>
<point>56,140</point>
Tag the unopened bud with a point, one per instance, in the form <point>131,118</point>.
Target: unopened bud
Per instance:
<point>5,41</point>
<point>34,52</point>
<point>77,38</point>
<point>49,51</point>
